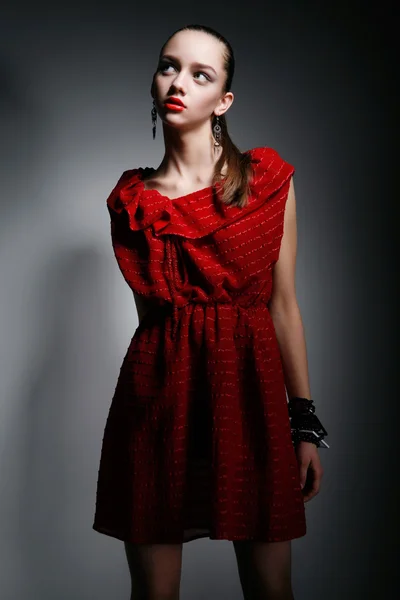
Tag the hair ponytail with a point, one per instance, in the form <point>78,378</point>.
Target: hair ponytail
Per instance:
<point>235,188</point>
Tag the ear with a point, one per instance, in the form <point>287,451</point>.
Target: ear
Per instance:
<point>226,102</point>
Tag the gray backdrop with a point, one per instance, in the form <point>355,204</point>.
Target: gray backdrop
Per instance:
<point>317,84</point>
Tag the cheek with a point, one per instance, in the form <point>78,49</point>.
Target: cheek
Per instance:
<point>205,102</point>
<point>161,85</point>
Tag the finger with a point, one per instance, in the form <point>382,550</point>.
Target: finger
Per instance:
<point>308,498</point>
<point>317,478</point>
<point>303,474</point>
<point>310,493</point>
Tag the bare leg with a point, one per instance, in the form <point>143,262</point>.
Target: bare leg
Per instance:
<point>155,570</point>
<point>265,569</point>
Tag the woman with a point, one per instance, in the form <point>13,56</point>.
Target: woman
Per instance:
<point>200,440</point>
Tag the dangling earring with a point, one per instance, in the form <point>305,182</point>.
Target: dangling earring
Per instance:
<point>217,133</point>
<point>154,118</point>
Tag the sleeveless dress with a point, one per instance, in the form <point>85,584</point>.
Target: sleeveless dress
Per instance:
<point>197,442</point>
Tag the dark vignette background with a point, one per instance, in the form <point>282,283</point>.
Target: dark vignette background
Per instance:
<point>315,81</point>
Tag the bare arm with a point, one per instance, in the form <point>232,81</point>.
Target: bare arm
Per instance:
<point>285,311</point>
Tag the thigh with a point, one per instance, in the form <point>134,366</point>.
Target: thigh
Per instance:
<point>155,570</point>
<point>264,569</point>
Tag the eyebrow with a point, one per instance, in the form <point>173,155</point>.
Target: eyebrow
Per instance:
<point>196,64</point>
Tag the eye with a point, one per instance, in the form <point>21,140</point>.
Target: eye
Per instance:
<point>164,66</point>
<point>201,73</point>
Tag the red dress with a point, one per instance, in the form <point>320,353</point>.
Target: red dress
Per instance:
<point>197,441</point>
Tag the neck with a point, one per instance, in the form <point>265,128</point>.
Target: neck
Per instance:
<point>190,155</point>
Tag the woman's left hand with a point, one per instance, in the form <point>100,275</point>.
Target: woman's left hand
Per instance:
<point>310,469</point>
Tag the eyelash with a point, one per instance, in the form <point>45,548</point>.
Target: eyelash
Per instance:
<point>165,65</point>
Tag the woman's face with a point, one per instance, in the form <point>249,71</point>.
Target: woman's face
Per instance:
<point>199,87</point>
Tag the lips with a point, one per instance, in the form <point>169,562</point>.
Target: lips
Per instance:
<point>173,100</point>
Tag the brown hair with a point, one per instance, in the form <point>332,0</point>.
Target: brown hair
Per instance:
<point>235,188</point>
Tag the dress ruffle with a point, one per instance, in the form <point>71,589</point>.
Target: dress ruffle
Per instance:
<point>146,208</point>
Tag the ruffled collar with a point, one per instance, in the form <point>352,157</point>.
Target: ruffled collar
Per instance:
<point>197,214</point>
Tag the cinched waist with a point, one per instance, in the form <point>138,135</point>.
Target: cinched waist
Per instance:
<point>178,278</point>
<point>176,306</point>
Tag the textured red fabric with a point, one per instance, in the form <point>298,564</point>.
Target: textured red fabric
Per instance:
<point>197,441</point>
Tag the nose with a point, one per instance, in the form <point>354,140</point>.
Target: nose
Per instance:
<point>178,83</point>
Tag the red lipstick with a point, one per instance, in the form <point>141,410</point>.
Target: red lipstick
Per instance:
<point>173,103</point>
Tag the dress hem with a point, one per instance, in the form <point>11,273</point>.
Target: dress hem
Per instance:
<point>230,538</point>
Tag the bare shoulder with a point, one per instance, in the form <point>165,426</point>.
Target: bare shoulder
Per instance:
<point>290,208</point>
